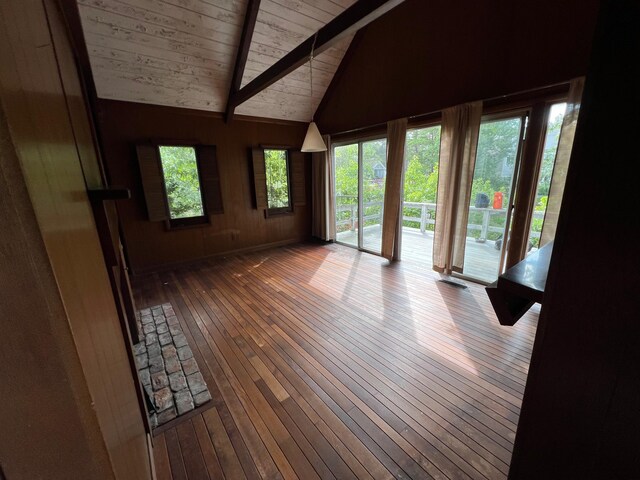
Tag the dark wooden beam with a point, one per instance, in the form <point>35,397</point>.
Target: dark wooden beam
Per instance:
<point>243,52</point>
<point>351,20</point>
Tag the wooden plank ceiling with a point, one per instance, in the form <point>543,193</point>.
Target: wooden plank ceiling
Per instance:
<point>181,53</point>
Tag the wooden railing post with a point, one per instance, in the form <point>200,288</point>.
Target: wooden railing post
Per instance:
<point>485,226</point>
<point>423,218</point>
<point>351,220</point>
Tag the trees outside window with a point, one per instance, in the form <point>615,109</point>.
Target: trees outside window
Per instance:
<point>181,180</point>
<point>277,177</point>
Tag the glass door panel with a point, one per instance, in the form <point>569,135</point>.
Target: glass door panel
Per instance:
<point>374,173</point>
<point>552,137</point>
<point>422,154</point>
<point>493,183</point>
<point>346,191</point>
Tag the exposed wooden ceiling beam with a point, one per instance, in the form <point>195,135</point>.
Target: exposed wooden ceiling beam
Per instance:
<point>243,52</point>
<point>352,19</point>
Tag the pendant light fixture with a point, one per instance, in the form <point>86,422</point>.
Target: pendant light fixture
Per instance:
<point>313,140</point>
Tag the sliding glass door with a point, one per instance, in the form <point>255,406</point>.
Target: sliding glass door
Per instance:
<point>492,191</point>
<point>547,164</point>
<point>360,174</point>
<point>347,172</point>
<point>422,156</point>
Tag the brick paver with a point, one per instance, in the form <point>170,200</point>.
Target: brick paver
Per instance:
<point>167,369</point>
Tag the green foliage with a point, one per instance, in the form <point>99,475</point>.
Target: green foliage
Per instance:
<point>182,184</point>
<point>346,162</point>
<point>422,152</point>
<point>496,155</point>
<point>549,154</point>
<point>418,185</point>
<point>275,162</point>
<point>542,204</point>
<point>495,163</point>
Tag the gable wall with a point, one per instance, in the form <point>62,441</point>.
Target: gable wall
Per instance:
<point>425,56</point>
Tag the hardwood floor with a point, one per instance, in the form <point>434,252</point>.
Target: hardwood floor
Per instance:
<point>324,362</point>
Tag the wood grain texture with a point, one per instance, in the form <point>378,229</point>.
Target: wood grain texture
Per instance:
<point>44,134</point>
<point>391,73</point>
<point>297,177</point>
<point>240,227</point>
<point>580,415</point>
<point>183,53</point>
<point>39,358</point>
<point>210,179</point>
<point>331,363</point>
<point>152,178</point>
<point>259,178</point>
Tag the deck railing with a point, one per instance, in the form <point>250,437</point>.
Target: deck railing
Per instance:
<point>426,217</point>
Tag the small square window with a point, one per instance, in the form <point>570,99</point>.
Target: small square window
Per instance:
<point>182,185</point>
<point>276,163</point>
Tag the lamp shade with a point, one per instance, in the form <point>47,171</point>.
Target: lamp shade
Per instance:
<point>313,140</point>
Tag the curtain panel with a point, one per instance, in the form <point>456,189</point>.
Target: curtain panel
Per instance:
<point>396,136</point>
<point>561,166</point>
<point>458,145</point>
<point>322,195</point>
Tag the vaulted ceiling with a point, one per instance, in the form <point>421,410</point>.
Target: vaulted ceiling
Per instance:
<point>182,53</point>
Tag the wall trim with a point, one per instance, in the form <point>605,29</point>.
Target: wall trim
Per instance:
<point>138,272</point>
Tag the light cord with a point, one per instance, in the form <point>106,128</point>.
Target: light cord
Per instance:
<point>313,46</point>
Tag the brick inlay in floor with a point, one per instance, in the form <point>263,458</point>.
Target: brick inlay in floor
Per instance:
<point>169,373</point>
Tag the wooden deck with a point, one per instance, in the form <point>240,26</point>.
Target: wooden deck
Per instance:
<point>325,362</point>
<point>481,259</point>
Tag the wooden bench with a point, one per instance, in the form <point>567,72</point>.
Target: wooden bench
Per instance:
<point>517,289</point>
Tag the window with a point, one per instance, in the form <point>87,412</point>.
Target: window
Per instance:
<point>181,183</point>
<point>278,180</point>
<point>276,166</point>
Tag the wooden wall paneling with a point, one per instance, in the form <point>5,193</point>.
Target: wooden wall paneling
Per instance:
<point>408,63</point>
<point>298,178</point>
<point>580,415</point>
<point>74,93</point>
<point>241,227</point>
<point>80,94</point>
<point>38,114</point>
<point>259,178</point>
<point>210,179</point>
<point>39,359</point>
<point>152,182</point>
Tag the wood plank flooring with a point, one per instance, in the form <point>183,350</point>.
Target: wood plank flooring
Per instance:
<point>324,362</point>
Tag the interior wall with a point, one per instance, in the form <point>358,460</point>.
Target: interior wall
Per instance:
<point>41,379</point>
<point>241,227</point>
<point>425,56</point>
<point>580,415</point>
<point>54,163</point>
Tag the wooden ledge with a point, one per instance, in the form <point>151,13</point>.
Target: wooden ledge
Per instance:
<point>520,287</point>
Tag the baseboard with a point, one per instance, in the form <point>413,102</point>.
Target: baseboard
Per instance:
<point>185,263</point>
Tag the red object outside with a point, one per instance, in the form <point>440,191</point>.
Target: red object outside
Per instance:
<point>497,200</point>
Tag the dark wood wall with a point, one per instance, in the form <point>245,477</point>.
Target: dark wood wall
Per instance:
<point>69,406</point>
<point>41,377</point>
<point>581,411</point>
<point>425,56</point>
<point>241,227</point>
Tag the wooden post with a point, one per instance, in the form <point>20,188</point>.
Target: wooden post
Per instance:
<point>423,218</point>
<point>485,226</point>
<point>353,226</point>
